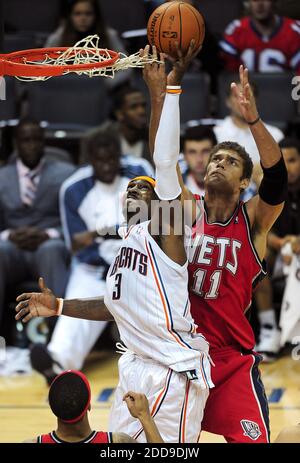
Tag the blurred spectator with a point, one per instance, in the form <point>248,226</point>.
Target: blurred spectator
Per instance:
<point>91,210</point>
<point>235,128</point>
<point>284,241</point>
<point>288,224</point>
<point>85,18</point>
<point>262,41</point>
<point>30,241</point>
<point>197,144</point>
<point>130,125</point>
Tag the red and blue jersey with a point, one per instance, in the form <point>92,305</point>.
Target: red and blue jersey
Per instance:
<point>96,437</point>
<point>223,269</point>
<point>242,43</point>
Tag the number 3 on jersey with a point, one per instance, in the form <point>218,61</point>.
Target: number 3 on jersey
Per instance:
<point>117,291</point>
<point>198,282</point>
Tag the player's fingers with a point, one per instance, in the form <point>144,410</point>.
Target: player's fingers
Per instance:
<point>154,52</point>
<point>162,58</point>
<point>27,318</point>
<point>42,284</point>
<point>241,72</point>
<point>178,52</point>
<point>23,296</point>
<point>22,313</point>
<point>21,305</point>
<point>191,49</point>
<point>235,90</point>
<point>247,91</point>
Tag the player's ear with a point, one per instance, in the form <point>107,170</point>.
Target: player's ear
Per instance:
<point>244,184</point>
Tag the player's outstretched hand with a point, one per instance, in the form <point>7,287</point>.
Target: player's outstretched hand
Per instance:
<point>137,404</point>
<point>244,95</point>
<point>181,63</point>
<point>154,74</point>
<point>31,305</point>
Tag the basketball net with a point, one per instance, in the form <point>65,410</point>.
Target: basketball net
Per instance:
<point>84,52</point>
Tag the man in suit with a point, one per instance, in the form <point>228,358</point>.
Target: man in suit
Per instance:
<point>30,235</point>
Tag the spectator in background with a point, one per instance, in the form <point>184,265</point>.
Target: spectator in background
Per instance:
<point>234,127</point>
<point>284,241</point>
<point>85,18</point>
<point>130,124</point>
<point>31,241</point>
<point>91,210</point>
<point>262,41</point>
<point>197,144</point>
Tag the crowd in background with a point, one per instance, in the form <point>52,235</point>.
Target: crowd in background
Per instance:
<point>56,190</point>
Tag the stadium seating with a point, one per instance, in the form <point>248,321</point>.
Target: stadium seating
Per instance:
<point>195,99</point>
<point>275,103</point>
<point>69,101</point>
<point>37,15</point>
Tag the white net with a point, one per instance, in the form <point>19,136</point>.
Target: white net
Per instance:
<point>88,51</point>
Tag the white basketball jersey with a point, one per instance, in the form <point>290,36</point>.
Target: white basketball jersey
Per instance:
<point>147,293</point>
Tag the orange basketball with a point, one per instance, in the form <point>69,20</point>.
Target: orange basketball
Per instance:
<point>175,22</point>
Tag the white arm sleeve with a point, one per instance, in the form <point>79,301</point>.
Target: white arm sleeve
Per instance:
<point>166,150</point>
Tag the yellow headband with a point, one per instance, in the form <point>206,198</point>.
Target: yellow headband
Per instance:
<point>146,179</point>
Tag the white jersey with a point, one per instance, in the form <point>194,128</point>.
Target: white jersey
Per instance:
<point>147,293</point>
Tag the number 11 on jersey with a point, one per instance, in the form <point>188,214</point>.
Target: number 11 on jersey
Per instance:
<point>199,277</point>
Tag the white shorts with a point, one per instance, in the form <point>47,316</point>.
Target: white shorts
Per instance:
<point>176,403</point>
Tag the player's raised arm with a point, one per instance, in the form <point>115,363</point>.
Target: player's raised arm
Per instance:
<point>263,209</point>
<point>157,81</point>
<point>46,304</point>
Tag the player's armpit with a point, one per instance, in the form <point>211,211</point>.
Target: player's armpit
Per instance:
<point>122,438</point>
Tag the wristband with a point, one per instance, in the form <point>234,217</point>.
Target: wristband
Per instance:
<point>60,306</point>
<point>174,89</point>
<point>253,122</point>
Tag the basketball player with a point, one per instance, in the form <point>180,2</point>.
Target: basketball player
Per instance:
<point>226,261</point>
<point>163,358</point>
<point>70,401</point>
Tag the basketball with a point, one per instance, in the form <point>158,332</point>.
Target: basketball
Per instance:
<point>175,22</point>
